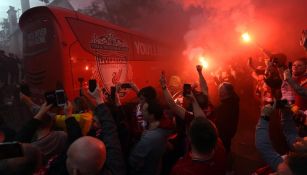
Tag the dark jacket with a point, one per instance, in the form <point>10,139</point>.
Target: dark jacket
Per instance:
<point>145,158</point>
<point>114,163</point>
<point>227,116</point>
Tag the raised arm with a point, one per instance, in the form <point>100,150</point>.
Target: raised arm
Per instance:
<point>88,99</point>
<point>202,81</point>
<point>97,95</point>
<point>27,132</point>
<point>178,110</point>
<point>119,86</point>
<point>263,142</point>
<point>109,135</point>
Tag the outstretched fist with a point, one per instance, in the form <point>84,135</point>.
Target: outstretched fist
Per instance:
<point>199,68</point>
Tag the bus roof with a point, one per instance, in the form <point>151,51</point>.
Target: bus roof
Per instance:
<point>60,14</point>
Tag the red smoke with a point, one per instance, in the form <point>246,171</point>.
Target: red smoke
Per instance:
<point>275,25</point>
<point>213,28</point>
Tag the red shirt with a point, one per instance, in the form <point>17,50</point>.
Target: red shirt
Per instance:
<point>214,166</point>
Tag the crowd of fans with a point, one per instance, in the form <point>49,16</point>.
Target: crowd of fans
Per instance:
<point>98,134</point>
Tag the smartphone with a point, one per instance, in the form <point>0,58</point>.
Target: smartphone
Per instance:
<point>60,97</point>
<point>113,91</point>
<point>125,86</point>
<point>50,98</point>
<point>24,88</point>
<point>187,89</point>
<point>10,150</point>
<point>92,84</point>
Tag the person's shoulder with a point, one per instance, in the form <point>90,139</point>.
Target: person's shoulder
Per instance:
<point>154,137</point>
<point>155,133</point>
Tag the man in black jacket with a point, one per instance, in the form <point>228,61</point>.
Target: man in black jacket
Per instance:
<point>227,114</point>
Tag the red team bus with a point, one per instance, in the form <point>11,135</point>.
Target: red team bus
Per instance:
<point>61,47</point>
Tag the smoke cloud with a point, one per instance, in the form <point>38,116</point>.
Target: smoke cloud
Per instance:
<point>214,27</point>
<point>216,31</point>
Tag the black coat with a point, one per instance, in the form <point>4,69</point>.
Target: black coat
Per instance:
<point>227,116</point>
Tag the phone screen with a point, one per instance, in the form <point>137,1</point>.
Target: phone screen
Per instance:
<point>10,150</point>
<point>60,98</point>
<point>50,98</point>
<point>92,84</point>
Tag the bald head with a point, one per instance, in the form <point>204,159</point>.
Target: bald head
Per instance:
<point>86,156</point>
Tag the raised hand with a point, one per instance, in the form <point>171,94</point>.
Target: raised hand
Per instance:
<point>68,109</point>
<point>42,111</point>
<point>287,74</point>
<point>97,95</point>
<point>199,68</point>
